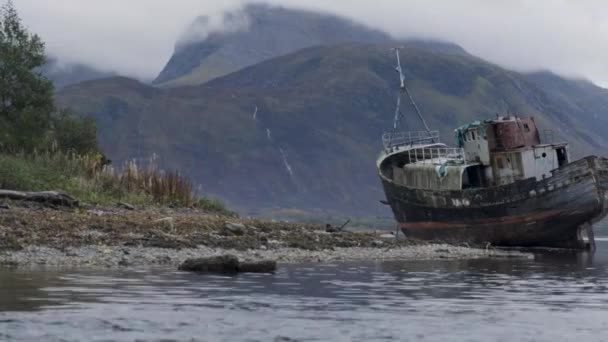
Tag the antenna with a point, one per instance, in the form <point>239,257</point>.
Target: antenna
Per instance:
<point>404,89</point>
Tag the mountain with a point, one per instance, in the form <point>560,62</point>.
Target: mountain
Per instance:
<point>303,130</point>
<point>264,32</point>
<point>65,74</point>
<point>585,101</point>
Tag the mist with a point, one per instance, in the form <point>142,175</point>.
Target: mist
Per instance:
<point>137,37</point>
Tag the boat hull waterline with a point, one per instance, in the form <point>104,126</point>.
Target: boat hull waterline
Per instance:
<point>553,212</point>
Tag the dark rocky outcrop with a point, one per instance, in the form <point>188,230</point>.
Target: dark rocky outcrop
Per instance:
<point>227,264</point>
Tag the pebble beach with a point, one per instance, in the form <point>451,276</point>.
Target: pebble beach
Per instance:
<point>115,237</point>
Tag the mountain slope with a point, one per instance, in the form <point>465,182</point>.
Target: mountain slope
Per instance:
<point>66,74</point>
<point>586,102</point>
<point>303,130</point>
<point>269,32</point>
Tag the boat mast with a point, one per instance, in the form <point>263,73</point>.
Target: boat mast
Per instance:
<point>407,92</point>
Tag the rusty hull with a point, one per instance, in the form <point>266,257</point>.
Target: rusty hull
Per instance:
<point>549,213</point>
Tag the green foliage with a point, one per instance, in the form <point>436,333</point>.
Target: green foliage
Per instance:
<point>26,97</point>
<point>28,119</point>
<point>74,133</point>
<point>214,205</point>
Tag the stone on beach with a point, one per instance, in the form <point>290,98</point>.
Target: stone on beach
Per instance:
<point>216,264</point>
<point>227,264</point>
<point>263,266</point>
<point>232,228</point>
<point>387,236</point>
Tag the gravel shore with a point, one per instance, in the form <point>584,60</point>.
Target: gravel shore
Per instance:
<point>111,237</point>
<point>106,256</point>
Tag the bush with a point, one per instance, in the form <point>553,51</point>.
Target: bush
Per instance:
<point>74,133</point>
<point>214,206</point>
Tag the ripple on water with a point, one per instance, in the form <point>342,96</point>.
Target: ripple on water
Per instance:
<point>551,298</point>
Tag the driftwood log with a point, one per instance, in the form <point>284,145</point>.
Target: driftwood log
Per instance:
<point>56,198</point>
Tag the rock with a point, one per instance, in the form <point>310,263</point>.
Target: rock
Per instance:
<point>4,206</point>
<point>231,228</point>
<point>387,236</point>
<point>95,212</point>
<point>264,266</point>
<point>227,264</point>
<point>124,205</point>
<point>273,243</point>
<point>330,229</point>
<point>218,264</point>
<point>168,222</point>
<point>377,243</point>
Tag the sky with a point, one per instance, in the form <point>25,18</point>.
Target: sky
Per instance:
<point>137,37</point>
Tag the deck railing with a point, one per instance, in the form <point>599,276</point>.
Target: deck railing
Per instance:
<point>435,155</point>
<point>409,138</point>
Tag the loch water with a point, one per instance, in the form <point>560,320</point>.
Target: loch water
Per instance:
<point>558,296</point>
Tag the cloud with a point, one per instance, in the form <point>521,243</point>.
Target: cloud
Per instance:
<point>231,21</point>
<point>137,37</point>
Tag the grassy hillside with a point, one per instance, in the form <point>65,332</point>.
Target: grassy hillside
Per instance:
<point>320,114</point>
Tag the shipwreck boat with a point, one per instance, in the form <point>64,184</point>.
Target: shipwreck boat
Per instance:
<point>505,184</point>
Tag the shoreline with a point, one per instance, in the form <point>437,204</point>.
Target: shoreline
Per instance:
<point>119,237</point>
<point>113,256</point>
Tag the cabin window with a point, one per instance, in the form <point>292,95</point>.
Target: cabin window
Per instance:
<point>526,127</point>
<point>499,163</point>
<point>473,135</point>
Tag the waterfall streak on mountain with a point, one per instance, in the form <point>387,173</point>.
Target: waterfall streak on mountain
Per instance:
<point>286,162</point>
<point>288,167</point>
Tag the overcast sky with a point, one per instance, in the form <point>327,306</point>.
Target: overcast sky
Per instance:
<point>137,37</point>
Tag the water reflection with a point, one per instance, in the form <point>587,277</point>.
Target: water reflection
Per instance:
<point>369,301</point>
<point>22,289</point>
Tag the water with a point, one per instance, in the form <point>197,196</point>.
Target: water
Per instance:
<point>556,297</point>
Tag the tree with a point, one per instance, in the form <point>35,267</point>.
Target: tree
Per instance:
<point>26,97</point>
<point>75,133</point>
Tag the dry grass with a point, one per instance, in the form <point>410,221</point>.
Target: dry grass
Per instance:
<point>87,178</point>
